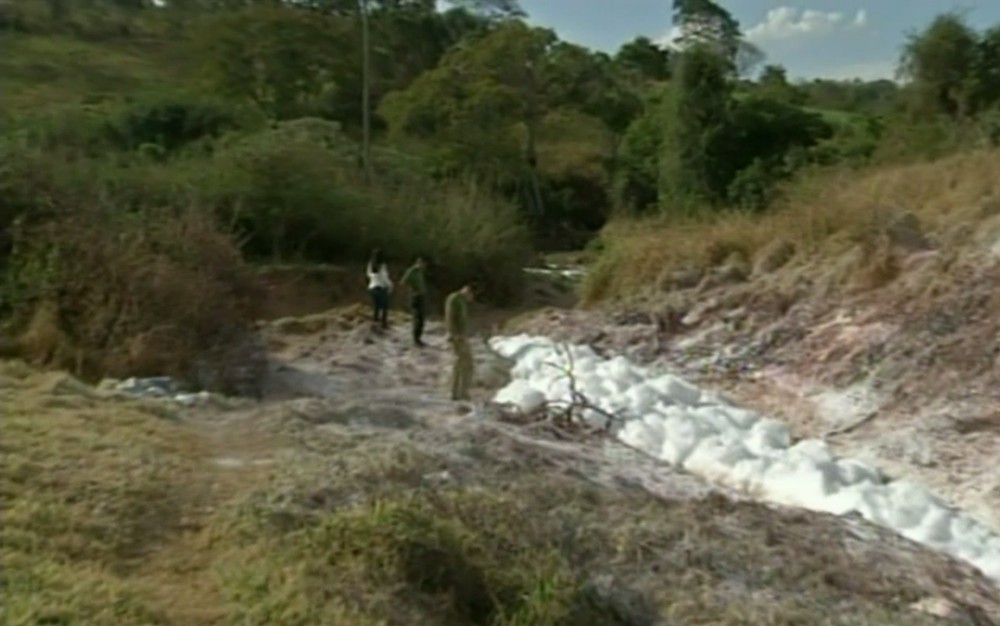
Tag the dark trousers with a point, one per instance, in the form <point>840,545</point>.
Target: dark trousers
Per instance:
<point>380,305</point>
<point>418,305</point>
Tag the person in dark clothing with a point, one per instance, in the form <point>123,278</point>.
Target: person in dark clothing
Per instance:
<point>379,286</point>
<point>415,280</point>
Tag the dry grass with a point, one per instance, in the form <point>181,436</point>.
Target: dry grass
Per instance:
<point>105,295</point>
<point>89,488</point>
<point>823,216</point>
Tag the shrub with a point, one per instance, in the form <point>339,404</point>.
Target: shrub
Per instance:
<point>296,193</point>
<point>112,294</point>
<point>168,122</point>
<point>468,233</point>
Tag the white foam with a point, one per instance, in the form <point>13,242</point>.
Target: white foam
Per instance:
<point>671,419</point>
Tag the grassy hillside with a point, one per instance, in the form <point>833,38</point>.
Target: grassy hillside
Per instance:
<point>820,218</point>
<point>41,71</point>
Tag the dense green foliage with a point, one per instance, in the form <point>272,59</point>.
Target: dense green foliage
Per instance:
<point>252,112</point>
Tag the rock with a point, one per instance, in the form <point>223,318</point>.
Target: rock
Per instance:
<point>937,607</point>
<point>60,384</point>
<point>727,274</point>
<point>773,256</point>
<point>685,277</point>
<point>614,602</point>
<point>905,231</point>
<point>108,386</point>
<point>378,416</point>
<point>152,387</point>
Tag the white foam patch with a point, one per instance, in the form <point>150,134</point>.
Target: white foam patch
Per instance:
<point>673,420</point>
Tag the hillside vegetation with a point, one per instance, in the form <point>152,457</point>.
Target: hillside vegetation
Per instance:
<point>883,152</point>
<point>819,222</point>
<point>192,138</point>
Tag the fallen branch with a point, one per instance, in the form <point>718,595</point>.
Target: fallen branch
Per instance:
<point>571,413</point>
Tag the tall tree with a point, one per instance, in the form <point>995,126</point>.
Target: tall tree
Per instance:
<point>280,59</point>
<point>986,72</point>
<point>487,104</point>
<point>940,62</point>
<point>696,114</point>
<point>706,23</point>
<point>645,59</point>
<point>490,8</point>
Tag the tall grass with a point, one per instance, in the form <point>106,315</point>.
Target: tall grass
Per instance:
<point>821,214</point>
<point>469,234</point>
<point>295,191</point>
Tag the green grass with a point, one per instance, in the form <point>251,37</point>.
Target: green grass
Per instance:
<point>838,118</point>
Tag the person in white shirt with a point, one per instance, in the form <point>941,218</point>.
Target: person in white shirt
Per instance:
<point>379,286</point>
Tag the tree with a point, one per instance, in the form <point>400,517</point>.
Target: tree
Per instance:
<point>416,18</point>
<point>638,163</point>
<point>761,135</point>
<point>494,93</point>
<point>704,22</point>
<point>280,59</point>
<point>940,62</point>
<point>490,8</point>
<point>986,70</point>
<point>877,97</point>
<point>644,59</point>
<point>406,39</point>
<point>590,82</point>
<point>773,84</point>
<point>696,114</point>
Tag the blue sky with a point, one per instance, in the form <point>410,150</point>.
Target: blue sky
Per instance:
<point>812,38</point>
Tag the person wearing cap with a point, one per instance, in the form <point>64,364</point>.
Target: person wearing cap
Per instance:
<point>456,315</point>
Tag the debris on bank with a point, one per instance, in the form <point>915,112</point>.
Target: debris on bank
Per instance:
<point>154,387</point>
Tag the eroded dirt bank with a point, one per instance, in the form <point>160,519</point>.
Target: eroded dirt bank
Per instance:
<point>903,374</point>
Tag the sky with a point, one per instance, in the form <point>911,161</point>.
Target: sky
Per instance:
<point>812,38</point>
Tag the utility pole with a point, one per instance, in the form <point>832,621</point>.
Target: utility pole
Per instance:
<point>365,89</point>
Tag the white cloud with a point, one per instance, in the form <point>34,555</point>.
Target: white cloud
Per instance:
<point>667,39</point>
<point>789,23</point>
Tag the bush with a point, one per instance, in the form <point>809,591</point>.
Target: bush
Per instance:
<point>111,294</point>
<point>168,122</point>
<point>296,193</point>
<point>468,233</point>
<point>292,192</point>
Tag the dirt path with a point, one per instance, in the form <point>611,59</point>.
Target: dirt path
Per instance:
<point>373,380</point>
<point>231,460</point>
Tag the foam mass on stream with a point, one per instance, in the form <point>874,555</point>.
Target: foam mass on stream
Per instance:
<point>672,420</point>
